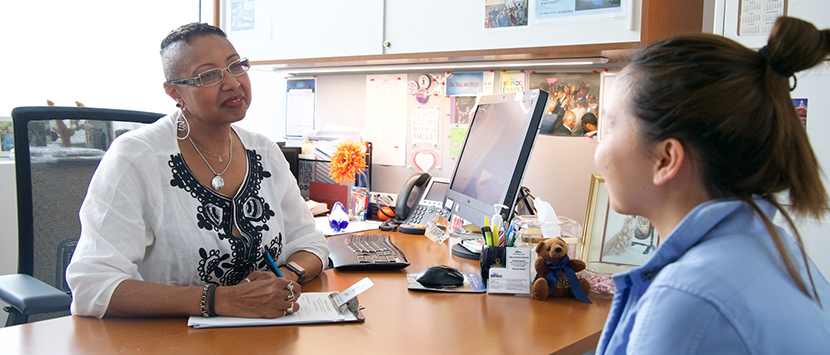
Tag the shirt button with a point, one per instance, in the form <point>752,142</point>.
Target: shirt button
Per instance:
<point>648,274</point>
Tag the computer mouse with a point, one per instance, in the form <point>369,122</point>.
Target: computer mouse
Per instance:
<point>440,275</point>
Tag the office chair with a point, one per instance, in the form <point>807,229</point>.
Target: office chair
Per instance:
<point>57,149</point>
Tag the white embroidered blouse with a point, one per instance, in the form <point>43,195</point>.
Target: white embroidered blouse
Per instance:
<point>146,217</point>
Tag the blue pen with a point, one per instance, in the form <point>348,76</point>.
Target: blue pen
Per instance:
<point>271,262</point>
<point>510,232</point>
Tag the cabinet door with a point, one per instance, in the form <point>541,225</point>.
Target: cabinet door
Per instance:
<point>440,26</point>
<point>280,29</point>
<point>727,13</point>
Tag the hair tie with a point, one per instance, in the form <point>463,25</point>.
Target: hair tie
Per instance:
<point>765,53</point>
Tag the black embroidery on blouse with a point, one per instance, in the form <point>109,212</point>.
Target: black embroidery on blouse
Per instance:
<point>216,213</point>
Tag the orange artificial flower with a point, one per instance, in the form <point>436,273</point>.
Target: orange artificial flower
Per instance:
<point>346,162</point>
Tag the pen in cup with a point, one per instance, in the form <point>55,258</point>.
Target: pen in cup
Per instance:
<point>510,241</point>
<point>271,262</point>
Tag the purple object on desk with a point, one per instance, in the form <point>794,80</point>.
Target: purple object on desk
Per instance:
<point>338,218</point>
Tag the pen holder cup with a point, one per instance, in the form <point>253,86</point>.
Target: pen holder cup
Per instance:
<point>491,257</point>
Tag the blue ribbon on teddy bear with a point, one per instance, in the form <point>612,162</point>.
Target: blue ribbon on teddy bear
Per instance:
<point>554,271</point>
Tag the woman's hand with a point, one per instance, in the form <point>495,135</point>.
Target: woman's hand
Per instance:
<point>264,296</point>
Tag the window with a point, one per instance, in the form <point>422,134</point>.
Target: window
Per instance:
<point>68,51</point>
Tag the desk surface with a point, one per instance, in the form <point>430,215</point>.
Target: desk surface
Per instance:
<point>398,321</point>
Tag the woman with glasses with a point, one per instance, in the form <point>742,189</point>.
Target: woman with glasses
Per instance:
<point>192,215</point>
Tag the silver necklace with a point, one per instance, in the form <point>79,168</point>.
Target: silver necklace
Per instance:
<point>217,182</point>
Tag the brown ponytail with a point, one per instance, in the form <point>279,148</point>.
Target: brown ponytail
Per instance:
<point>730,107</point>
<point>795,45</point>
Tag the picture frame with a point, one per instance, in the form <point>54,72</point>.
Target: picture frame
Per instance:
<point>614,242</point>
<point>5,123</point>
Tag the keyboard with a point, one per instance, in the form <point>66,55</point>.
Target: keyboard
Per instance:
<point>365,251</point>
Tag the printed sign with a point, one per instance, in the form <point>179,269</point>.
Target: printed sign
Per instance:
<point>424,126</point>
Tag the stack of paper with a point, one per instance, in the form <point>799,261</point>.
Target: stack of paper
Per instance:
<point>315,307</point>
<point>316,208</point>
<point>324,226</point>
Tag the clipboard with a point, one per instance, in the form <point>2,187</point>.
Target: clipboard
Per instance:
<point>315,308</point>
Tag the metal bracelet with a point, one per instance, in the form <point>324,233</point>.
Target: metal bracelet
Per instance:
<point>203,303</point>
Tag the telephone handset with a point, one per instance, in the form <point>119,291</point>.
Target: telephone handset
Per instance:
<point>420,200</point>
<point>410,195</point>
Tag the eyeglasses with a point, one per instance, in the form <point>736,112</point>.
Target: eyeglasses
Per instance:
<point>216,75</point>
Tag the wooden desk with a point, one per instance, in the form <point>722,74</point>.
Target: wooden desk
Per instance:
<point>398,321</point>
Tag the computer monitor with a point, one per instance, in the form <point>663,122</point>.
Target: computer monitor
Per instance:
<point>495,154</point>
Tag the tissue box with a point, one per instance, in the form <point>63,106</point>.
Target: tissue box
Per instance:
<point>530,232</point>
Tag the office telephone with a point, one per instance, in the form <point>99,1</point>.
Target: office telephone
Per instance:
<point>420,200</point>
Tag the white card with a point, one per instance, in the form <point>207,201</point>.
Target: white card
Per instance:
<point>518,259</point>
<point>502,280</point>
<point>351,292</point>
<point>515,277</point>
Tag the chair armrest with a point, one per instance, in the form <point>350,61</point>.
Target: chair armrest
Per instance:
<point>32,296</point>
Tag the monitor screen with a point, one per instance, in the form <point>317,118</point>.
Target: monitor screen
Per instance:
<point>495,153</point>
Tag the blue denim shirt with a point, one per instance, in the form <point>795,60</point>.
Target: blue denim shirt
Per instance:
<point>717,285</point>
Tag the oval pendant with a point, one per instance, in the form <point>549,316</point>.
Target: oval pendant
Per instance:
<point>218,182</point>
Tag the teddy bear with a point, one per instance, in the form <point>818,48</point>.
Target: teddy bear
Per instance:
<point>553,263</point>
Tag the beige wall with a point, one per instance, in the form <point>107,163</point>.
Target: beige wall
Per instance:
<point>559,172</point>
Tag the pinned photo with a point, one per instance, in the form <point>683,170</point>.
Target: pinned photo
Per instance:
<point>801,110</point>
<point>506,13</point>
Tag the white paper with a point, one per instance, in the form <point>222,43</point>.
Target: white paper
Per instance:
<point>424,126</point>
<point>299,109</point>
<point>518,259</point>
<point>515,276</point>
<point>503,280</point>
<point>315,307</point>
<point>386,118</point>
<point>489,80</point>
<point>322,224</point>
<point>758,16</point>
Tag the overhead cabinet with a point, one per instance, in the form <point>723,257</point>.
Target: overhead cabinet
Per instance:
<point>316,33</point>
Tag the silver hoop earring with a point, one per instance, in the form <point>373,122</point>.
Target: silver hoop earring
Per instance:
<point>182,126</point>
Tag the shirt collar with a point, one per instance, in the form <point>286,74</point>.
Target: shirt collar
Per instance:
<point>697,225</point>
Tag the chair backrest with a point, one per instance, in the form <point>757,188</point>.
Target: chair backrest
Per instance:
<point>57,149</point>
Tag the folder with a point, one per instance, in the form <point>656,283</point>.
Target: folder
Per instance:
<point>328,193</point>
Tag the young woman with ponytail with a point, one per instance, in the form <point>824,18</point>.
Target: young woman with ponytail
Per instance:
<point>699,135</point>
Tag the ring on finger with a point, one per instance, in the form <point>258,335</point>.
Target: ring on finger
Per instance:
<point>290,288</point>
<point>247,279</point>
<point>290,309</point>
<point>284,312</point>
